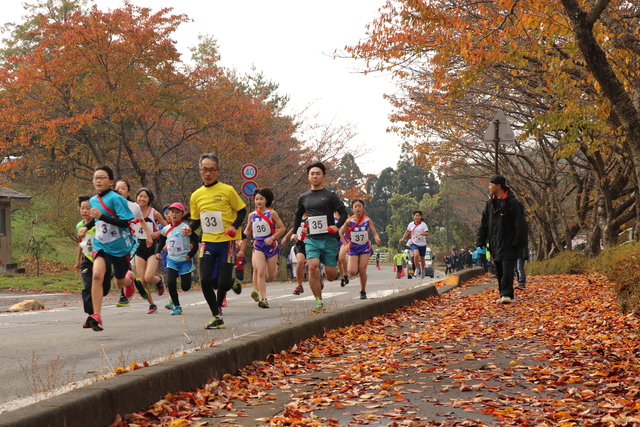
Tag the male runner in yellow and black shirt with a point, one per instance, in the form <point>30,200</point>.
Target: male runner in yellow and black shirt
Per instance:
<point>220,211</point>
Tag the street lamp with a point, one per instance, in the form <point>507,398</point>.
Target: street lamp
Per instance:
<point>499,132</point>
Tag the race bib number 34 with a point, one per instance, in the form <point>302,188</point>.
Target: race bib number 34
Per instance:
<point>318,224</point>
<point>212,222</point>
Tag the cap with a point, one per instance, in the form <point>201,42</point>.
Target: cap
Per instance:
<point>499,179</point>
<point>177,205</point>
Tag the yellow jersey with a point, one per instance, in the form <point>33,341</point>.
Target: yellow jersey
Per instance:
<point>217,208</point>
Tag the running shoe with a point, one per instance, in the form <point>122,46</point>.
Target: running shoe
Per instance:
<point>342,284</point>
<point>298,290</point>
<point>521,287</point>
<point>255,295</point>
<point>215,323</point>
<point>237,287</point>
<point>129,291</point>
<point>141,289</point>
<point>506,300</point>
<point>95,322</point>
<point>122,302</point>
<point>363,295</point>
<point>169,305</point>
<point>85,325</point>
<point>152,309</point>
<point>321,284</point>
<point>263,303</point>
<point>160,286</point>
<point>319,307</point>
<point>176,310</point>
<point>224,302</point>
<point>346,279</point>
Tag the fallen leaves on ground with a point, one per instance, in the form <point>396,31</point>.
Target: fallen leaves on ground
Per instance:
<point>561,355</point>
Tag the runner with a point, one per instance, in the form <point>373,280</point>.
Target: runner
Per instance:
<point>220,211</point>
<point>298,248</point>
<point>146,261</point>
<point>112,242</point>
<point>84,259</point>
<point>356,231</point>
<point>265,226</point>
<point>342,256</point>
<point>124,189</point>
<point>180,249</point>
<point>321,242</point>
<point>417,242</point>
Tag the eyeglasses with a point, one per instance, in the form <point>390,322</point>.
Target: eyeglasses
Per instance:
<point>100,178</point>
<point>207,170</point>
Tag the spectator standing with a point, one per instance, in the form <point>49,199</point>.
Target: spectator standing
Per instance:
<point>520,274</point>
<point>503,224</point>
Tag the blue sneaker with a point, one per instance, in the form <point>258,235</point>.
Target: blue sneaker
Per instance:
<point>177,310</point>
<point>169,305</point>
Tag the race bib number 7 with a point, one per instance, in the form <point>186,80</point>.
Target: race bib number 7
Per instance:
<point>212,222</point>
<point>175,246</point>
<point>318,224</point>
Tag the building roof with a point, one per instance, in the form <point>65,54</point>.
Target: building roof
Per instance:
<point>9,194</point>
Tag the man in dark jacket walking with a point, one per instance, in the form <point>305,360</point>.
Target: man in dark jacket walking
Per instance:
<point>503,225</point>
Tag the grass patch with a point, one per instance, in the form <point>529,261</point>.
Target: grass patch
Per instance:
<point>570,262</point>
<point>61,282</point>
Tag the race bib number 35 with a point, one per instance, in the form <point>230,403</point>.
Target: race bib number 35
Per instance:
<point>318,224</point>
<point>212,222</point>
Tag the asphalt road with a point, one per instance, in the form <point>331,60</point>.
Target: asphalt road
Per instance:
<point>48,348</point>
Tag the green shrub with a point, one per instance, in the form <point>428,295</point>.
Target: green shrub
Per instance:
<point>621,265</point>
<point>570,262</point>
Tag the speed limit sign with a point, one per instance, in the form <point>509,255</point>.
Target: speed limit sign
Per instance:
<point>249,171</point>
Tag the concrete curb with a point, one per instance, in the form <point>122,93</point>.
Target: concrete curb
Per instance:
<point>456,279</point>
<point>96,405</point>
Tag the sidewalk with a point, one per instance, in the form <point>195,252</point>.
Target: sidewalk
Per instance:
<point>560,355</point>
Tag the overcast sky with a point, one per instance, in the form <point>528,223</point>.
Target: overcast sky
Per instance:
<point>292,43</point>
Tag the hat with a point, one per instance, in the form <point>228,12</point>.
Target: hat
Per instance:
<point>177,205</point>
<point>499,179</point>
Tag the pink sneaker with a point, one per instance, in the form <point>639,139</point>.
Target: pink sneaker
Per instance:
<point>131,289</point>
<point>224,302</point>
<point>95,322</point>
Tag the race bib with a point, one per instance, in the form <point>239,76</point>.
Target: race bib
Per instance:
<point>106,233</point>
<point>420,240</point>
<point>212,222</point>
<point>261,229</point>
<point>317,224</point>
<point>359,237</point>
<point>175,246</point>
<point>138,231</point>
<point>87,244</point>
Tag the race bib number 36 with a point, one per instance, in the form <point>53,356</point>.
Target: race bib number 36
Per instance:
<point>212,222</point>
<point>318,224</point>
<point>261,229</point>
<point>106,233</point>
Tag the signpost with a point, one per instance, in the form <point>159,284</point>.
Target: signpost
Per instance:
<point>248,188</point>
<point>249,171</point>
<point>499,132</point>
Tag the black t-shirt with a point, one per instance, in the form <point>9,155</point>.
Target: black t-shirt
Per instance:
<point>320,206</point>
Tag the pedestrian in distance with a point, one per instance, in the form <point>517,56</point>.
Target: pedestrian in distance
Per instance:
<point>84,259</point>
<point>399,260</point>
<point>321,242</point>
<point>503,225</point>
<point>301,256</point>
<point>520,274</point>
<point>356,231</point>
<point>265,226</point>
<point>110,215</point>
<point>417,231</point>
<point>180,249</point>
<point>220,211</point>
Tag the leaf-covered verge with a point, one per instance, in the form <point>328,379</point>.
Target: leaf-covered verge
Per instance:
<point>561,355</point>
<point>620,264</point>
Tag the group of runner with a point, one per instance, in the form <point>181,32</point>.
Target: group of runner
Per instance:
<point>113,228</point>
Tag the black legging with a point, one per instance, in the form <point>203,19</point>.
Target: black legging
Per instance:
<point>172,282</point>
<point>209,285</point>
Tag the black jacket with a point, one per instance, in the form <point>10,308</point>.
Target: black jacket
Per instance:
<point>503,225</point>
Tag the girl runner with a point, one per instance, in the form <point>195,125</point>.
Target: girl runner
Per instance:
<point>356,229</point>
<point>146,261</point>
<point>112,242</point>
<point>137,228</point>
<point>265,226</point>
<point>180,249</point>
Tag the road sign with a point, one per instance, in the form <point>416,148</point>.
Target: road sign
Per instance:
<point>249,171</point>
<point>248,188</point>
<point>505,133</point>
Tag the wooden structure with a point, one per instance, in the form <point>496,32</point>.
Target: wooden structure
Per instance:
<point>6,197</point>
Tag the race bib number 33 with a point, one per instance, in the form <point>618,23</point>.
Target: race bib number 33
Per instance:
<point>212,222</point>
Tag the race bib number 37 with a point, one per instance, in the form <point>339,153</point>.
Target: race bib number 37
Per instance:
<point>212,222</point>
<point>359,237</point>
<point>318,224</point>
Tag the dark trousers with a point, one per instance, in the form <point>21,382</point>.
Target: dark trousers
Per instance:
<point>482,262</point>
<point>86,271</point>
<point>172,284</point>
<point>504,273</point>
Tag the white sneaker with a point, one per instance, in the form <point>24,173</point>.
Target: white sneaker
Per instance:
<point>506,300</point>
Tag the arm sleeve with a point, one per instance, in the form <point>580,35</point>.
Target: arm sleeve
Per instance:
<point>297,219</point>
<point>242,214</point>
<point>521,237</point>
<point>115,221</point>
<point>195,241</point>
<point>163,242</point>
<point>482,233</point>
<point>90,224</point>
<point>194,224</point>
<point>338,206</point>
